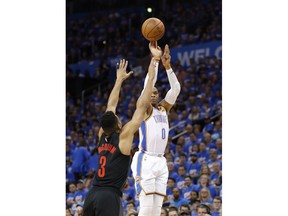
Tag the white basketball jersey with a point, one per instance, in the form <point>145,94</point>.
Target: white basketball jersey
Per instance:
<point>153,133</point>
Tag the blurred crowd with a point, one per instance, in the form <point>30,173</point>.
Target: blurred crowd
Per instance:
<point>194,148</point>
<point>113,32</point>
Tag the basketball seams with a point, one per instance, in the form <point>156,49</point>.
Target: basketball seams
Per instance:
<point>153,29</point>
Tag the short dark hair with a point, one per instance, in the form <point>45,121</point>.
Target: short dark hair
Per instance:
<point>109,121</point>
<point>204,206</point>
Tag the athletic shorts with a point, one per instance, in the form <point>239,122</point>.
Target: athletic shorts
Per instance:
<point>102,202</point>
<point>150,173</point>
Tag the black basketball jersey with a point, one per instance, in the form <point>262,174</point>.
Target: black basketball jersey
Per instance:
<point>113,165</point>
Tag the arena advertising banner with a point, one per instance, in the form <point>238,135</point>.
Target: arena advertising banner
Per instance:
<point>185,53</point>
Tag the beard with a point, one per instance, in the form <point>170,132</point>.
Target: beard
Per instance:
<point>194,160</point>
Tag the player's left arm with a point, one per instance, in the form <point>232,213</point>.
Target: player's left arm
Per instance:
<point>175,87</point>
<point>114,95</point>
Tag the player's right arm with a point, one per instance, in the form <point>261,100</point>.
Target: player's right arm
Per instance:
<point>143,103</point>
<point>156,53</point>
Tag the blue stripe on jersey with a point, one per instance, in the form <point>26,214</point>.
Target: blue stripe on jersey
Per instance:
<point>139,164</point>
<point>143,129</point>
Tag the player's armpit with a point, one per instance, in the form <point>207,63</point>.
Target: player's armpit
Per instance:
<point>126,137</point>
<point>166,105</point>
<point>101,131</point>
<point>128,131</point>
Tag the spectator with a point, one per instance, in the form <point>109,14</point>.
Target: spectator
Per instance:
<point>188,187</point>
<point>184,208</point>
<point>183,161</point>
<point>180,180</point>
<point>205,170</point>
<point>194,195</point>
<point>93,161</point>
<point>203,210</point>
<point>195,167</point>
<point>79,158</point>
<point>204,196</point>
<point>171,170</point>
<point>216,206</point>
<point>91,143</point>
<point>79,209</point>
<point>194,206</point>
<point>205,182</point>
<point>203,155</point>
<point>191,142</point>
<point>208,141</point>
<point>164,211</point>
<point>81,192</point>
<point>130,207</point>
<point>173,211</point>
<point>216,175</point>
<point>170,186</point>
<point>68,212</point>
<point>213,159</point>
<point>70,199</point>
<point>219,148</point>
<point>177,200</point>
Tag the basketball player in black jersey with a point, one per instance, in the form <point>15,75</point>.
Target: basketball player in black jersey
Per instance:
<point>104,198</point>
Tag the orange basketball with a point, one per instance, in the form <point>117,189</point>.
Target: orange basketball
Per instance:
<point>153,29</point>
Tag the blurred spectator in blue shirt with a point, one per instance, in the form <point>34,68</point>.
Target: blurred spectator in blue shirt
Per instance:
<point>70,199</point>
<point>216,206</point>
<point>81,192</point>
<point>204,196</point>
<point>79,157</point>
<point>180,181</point>
<point>195,167</point>
<point>169,190</point>
<point>208,141</point>
<point>219,148</point>
<point>93,161</point>
<point>205,183</point>
<point>171,170</point>
<point>188,188</point>
<point>183,162</point>
<point>216,174</point>
<point>177,200</point>
<point>203,155</point>
<point>189,145</point>
<point>213,158</point>
<point>91,143</point>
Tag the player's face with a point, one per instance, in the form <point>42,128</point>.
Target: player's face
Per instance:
<point>154,97</point>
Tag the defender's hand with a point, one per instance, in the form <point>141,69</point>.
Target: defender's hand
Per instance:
<point>121,71</point>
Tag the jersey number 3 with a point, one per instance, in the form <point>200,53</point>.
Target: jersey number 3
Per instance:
<point>101,170</point>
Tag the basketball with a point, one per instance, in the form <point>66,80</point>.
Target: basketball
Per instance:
<point>153,29</point>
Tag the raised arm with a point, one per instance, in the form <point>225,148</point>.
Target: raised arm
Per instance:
<point>143,103</point>
<point>175,87</point>
<point>114,95</point>
<point>156,53</point>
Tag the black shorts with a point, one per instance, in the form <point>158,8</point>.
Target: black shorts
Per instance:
<point>103,202</point>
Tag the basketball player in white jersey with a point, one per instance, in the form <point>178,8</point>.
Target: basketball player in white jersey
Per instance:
<point>149,165</point>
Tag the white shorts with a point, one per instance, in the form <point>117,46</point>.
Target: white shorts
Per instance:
<point>150,173</point>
